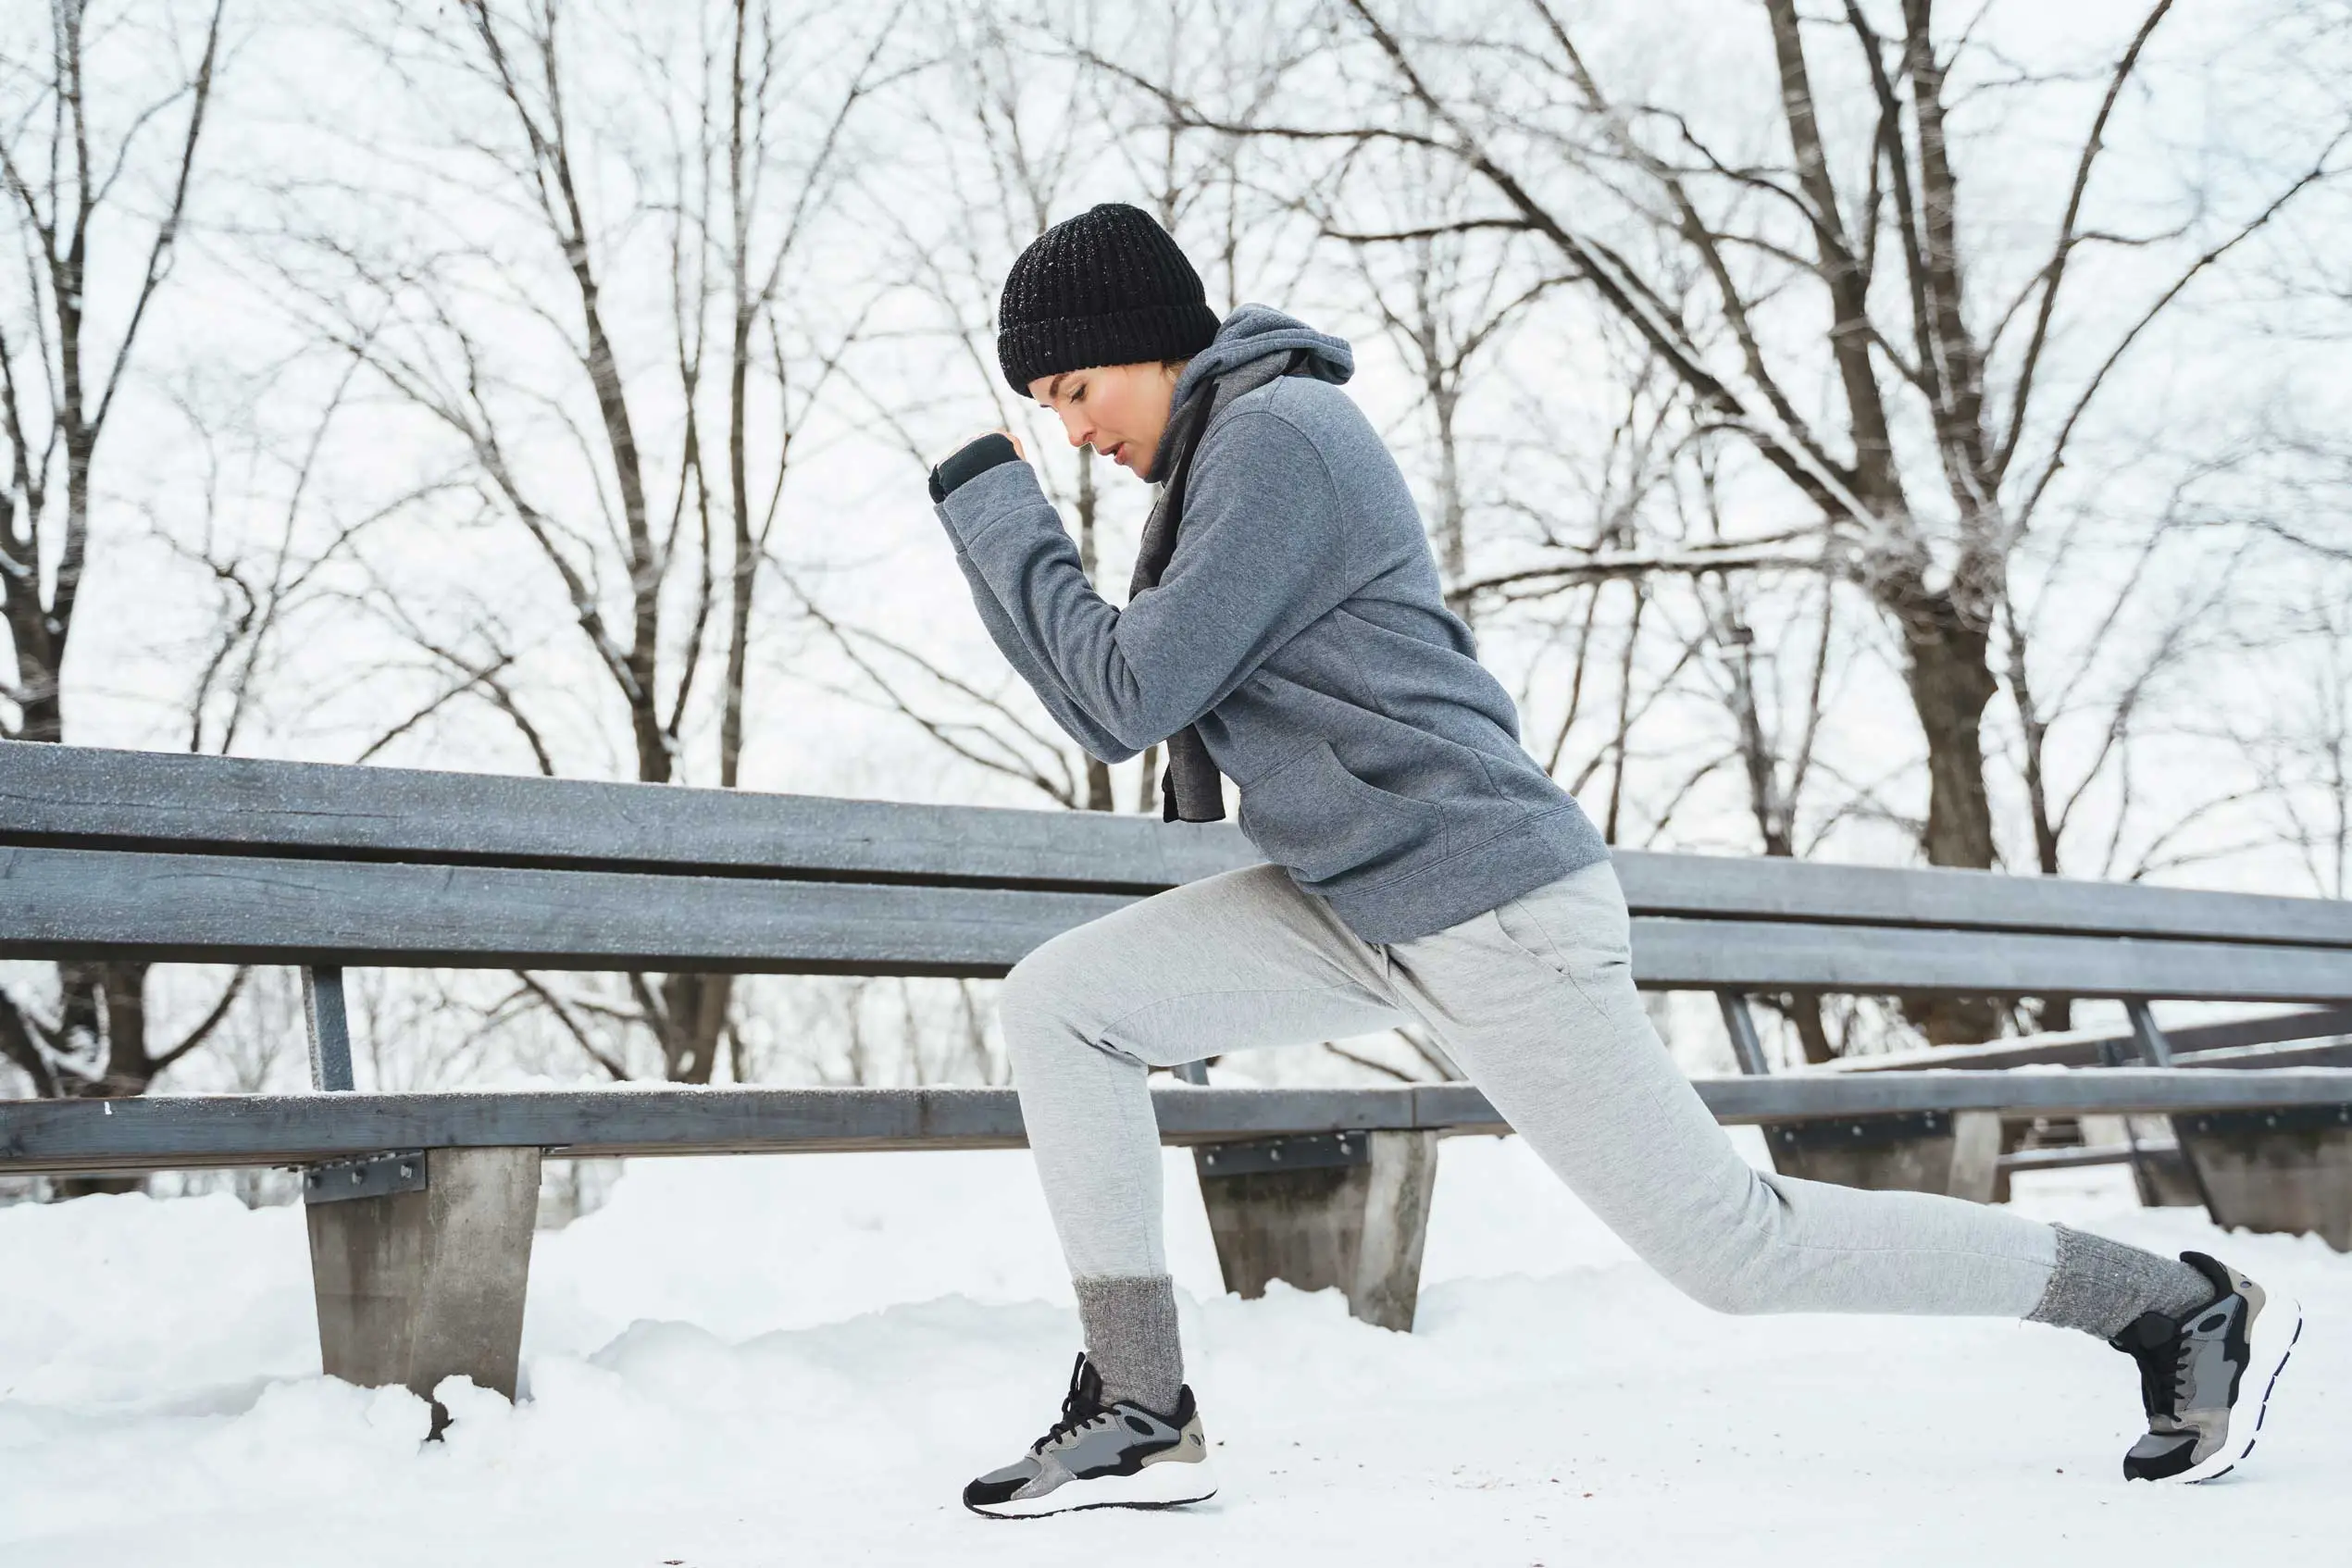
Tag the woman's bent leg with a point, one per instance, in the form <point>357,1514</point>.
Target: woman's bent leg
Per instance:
<point>1234,961</point>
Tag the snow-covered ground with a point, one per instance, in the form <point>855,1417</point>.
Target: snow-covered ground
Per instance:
<point>800,1360</point>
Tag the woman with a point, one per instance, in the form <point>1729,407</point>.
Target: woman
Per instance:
<point>1290,634</point>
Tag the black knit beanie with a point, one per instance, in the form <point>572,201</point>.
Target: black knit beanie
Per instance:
<point>1107,287</point>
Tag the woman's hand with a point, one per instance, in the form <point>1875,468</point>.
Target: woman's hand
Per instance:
<point>1018,450</point>
<point>975,457</point>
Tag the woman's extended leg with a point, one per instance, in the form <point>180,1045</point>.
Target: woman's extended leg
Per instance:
<point>1231,962</point>
<point>1536,1000</point>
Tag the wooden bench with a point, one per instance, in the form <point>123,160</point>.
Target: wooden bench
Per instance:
<point>2163,1169</point>
<point>2268,1170</point>
<point>420,1205</point>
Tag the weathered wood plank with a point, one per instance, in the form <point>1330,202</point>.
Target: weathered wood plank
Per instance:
<point>113,903</point>
<point>144,799</point>
<point>1764,888</point>
<point>54,794</point>
<point>1720,954</point>
<point>199,1130</point>
<point>2089,1048</point>
<point>244,1129</point>
<point>208,908</point>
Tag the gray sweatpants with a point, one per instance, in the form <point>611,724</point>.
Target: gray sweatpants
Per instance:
<point>1535,1001</point>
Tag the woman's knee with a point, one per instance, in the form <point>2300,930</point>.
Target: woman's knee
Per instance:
<point>1723,1289</point>
<point>1039,999</point>
<point>1731,1256</point>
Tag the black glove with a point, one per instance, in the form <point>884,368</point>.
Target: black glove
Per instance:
<point>973,459</point>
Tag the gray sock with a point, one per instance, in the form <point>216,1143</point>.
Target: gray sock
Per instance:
<point>2099,1286</point>
<point>1131,1338</point>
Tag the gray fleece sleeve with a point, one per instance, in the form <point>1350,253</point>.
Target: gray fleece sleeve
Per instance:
<point>1007,638</point>
<point>1262,553</point>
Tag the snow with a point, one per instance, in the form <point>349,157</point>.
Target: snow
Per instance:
<point>800,1360</point>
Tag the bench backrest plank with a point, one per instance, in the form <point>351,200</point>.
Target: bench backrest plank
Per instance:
<point>1759,955</point>
<point>208,908</point>
<point>57,796</point>
<point>56,902</point>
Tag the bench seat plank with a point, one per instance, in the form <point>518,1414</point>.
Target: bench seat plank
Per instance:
<point>195,1131</point>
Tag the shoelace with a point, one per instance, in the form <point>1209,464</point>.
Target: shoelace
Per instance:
<point>2164,1369</point>
<point>2169,1380</point>
<point>2183,1364</point>
<point>1078,1409</point>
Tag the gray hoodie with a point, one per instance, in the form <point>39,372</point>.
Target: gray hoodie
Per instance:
<point>1300,627</point>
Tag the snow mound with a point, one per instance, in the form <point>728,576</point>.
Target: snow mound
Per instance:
<point>800,1360</point>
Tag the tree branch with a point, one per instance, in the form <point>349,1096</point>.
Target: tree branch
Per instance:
<point>2318,171</point>
<point>205,1027</point>
<point>2053,272</point>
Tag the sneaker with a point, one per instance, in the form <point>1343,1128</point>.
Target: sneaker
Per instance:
<point>2206,1379</point>
<point>1117,1455</point>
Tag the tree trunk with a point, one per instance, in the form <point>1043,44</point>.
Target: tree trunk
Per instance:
<point>695,1007</point>
<point>107,1003</point>
<point>1453,549</point>
<point>1951,681</point>
<point>2054,1012</point>
<point>1098,772</point>
<point>1950,684</point>
<point>1805,1010</point>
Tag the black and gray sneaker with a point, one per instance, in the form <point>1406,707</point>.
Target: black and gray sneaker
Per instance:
<point>1097,1455</point>
<point>2207,1378</point>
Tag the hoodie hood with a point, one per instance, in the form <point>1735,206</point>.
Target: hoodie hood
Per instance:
<point>1253,331</point>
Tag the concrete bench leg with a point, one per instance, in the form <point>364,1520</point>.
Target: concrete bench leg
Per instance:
<point>1976,1156</point>
<point>1913,1151</point>
<point>2165,1180</point>
<point>424,1279</point>
<point>2284,1170</point>
<point>2159,1172</point>
<point>1350,1210</point>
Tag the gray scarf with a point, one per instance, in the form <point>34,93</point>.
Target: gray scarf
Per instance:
<point>1191,789</point>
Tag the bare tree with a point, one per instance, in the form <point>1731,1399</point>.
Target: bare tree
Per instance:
<point>97,193</point>
<point>1444,296</point>
<point>501,308</point>
<point>1012,134</point>
<point>1945,418</point>
<point>1004,134</point>
<point>2301,747</point>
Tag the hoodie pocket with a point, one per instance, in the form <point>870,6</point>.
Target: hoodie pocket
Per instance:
<point>1313,815</point>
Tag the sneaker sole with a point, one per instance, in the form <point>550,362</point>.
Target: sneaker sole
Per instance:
<point>1171,1484</point>
<point>2277,1330</point>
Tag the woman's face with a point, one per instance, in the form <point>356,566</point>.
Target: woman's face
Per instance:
<point>1119,410</point>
